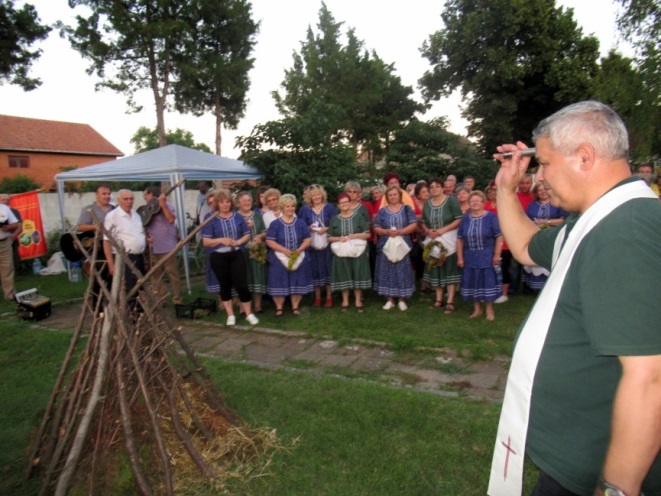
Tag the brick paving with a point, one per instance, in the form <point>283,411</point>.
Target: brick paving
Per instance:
<point>437,371</point>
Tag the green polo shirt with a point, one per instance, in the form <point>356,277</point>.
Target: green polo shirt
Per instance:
<point>606,308</point>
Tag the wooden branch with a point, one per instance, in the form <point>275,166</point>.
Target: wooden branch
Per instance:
<point>74,454</point>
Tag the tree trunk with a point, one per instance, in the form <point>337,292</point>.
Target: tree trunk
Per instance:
<point>219,123</point>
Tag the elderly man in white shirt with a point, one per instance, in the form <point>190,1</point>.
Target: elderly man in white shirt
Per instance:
<point>125,226</point>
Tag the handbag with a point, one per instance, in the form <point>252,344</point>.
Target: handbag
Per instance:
<point>352,248</point>
<point>396,249</point>
<point>319,241</point>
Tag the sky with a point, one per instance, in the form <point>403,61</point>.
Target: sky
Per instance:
<point>394,29</point>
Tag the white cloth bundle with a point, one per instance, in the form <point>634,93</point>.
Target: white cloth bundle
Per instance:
<point>447,239</point>
<point>352,248</point>
<point>285,260</point>
<point>396,249</point>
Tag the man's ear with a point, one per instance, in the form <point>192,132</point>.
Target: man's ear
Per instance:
<point>586,155</point>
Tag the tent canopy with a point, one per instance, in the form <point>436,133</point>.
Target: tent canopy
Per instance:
<point>169,163</point>
<point>161,164</point>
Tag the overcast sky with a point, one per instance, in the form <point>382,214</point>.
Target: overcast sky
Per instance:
<point>394,29</point>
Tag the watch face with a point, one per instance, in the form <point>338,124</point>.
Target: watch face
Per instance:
<point>613,491</point>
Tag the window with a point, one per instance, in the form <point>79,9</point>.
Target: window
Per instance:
<point>18,162</point>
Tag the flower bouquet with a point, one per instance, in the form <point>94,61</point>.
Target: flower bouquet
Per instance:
<point>434,254</point>
<point>257,251</point>
<point>292,260</point>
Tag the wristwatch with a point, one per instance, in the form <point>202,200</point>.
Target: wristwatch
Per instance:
<point>608,489</point>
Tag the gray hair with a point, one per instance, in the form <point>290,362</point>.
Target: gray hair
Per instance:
<point>586,122</point>
<point>352,185</point>
<point>243,193</point>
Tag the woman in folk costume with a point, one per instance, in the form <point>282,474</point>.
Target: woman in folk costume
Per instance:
<point>317,214</point>
<point>441,216</point>
<point>349,272</point>
<point>394,225</point>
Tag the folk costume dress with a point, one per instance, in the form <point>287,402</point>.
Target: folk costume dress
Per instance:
<point>234,227</point>
<point>394,279</point>
<point>545,211</point>
<point>479,281</point>
<point>321,260</point>
<point>436,218</point>
<point>347,272</point>
<point>256,270</point>
<point>282,282</point>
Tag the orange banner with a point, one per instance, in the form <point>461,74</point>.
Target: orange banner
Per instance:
<point>32,241</point>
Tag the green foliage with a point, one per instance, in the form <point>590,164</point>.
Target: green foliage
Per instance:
<point>622,86</point>
<point>368,99</point>
<point>19,28</point>
<point>138,39</point>
<point>640,23</point>
<point>298,151</point>
<point>213,67</point>
<point>18,184</point>
<point>146,139</point>
<point>423,150</point>
<point>514,62</point>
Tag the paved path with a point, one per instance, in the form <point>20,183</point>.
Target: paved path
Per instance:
<point>437,371</point>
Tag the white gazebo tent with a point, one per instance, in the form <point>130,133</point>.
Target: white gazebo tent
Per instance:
<point>169,163</point>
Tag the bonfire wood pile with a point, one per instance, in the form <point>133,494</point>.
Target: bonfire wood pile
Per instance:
<point>131,392</point>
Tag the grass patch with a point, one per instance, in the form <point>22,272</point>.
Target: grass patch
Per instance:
<point>419,326</point>
<point>346,437</point>
<point>57,288</point>
<point>300,364</point>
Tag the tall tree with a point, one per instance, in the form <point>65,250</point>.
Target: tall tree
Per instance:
<point>19,29</point>
<point>371,100</point>
<point>138,39</point>
<point>514,62</point>
<point>423,150</point>
<point>146,139</point>
<point>213,69</point>
<point>297,151</point>
<point>640,23</point>
<point>623,86</point>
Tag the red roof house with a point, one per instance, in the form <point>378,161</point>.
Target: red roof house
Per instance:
<point>40,149</point>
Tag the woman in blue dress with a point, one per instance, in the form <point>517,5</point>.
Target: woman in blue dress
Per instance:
<point>544,215</point>
<point>394,279</point>
<point>479,245</point>
<point>226,236</point>
<point>317,214</point>
<point>286,235</point>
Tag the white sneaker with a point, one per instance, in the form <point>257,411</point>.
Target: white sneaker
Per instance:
<point>501,299</point>
<point>402,306</point>
<point>252,319</point>
<point>231,320</point>
<point>388,305</point>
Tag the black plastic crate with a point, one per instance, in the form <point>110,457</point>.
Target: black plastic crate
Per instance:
<point>211,306</point>
<point>188,311</point>
<point>184,311</point>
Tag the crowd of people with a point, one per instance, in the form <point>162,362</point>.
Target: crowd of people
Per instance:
<point>436,236</point>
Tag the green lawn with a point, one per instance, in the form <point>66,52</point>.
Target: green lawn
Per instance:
<point>420,325</point>
<point>344,437</point>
